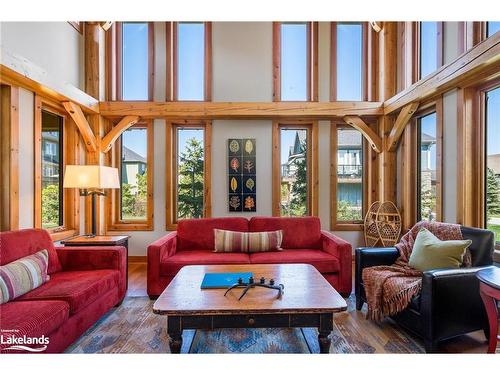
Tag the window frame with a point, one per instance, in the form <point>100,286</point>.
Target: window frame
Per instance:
<point>171,168</point>
<point>416,40</point>
<point>365,60</point>
<point>114,221</point>
<point>114,62</point>
<point>70,155</point>
<point>335,224</point>
<point>312,61</point>
<point>312,164</point>
<point>171,62</point>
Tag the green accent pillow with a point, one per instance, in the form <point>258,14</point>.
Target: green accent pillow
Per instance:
<point>429,252</point>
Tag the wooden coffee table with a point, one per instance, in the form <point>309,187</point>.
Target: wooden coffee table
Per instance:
<point>308,301</point>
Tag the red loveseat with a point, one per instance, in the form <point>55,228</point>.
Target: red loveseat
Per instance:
<point>303,242</point>
<point>85,282</point>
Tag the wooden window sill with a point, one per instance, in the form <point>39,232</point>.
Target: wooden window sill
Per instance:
<point>62,235</point>
<point>137,227</point>
<point>347,227</point>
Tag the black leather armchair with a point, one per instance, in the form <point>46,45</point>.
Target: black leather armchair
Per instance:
<point>449,304</point>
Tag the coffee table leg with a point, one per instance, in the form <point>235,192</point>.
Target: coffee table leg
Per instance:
<point>325,329</point>
<point>324,342</point>
<point>174,331</point>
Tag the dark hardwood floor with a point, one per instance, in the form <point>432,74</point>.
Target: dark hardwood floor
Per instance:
<point>471,343</point>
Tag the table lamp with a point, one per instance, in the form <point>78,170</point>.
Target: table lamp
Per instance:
<point>91,180</point>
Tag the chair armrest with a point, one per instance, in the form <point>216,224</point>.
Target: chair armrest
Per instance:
<point>92,257</point>
<point>342,250</point>
<point>449,299</point>
<point>368,257</point>
<point>163,248</point>
<point>375,256</point>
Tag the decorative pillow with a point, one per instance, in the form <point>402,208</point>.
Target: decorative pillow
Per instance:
<point>264,241</point>
<point>228,241</point>
<point>23,275</point>
<point>429,252</point>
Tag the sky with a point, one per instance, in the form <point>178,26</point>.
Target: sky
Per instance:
<point>190,61</point>
<point>293,61</point>
<point>135,61</point>
<point>493,121</point>
<point>136,140</point>
<point>349,60</point>
<point>428,46</point>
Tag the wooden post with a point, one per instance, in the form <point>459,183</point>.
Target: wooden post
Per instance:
<point>387,88</point>
<point>96,122</point>
<point>9,157</point>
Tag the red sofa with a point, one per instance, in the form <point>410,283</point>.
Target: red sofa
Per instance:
<point>303,242</point>
<point>85,282</point>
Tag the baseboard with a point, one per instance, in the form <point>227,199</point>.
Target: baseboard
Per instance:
<point>137,259</point>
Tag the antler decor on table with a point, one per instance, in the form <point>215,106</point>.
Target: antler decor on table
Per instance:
<point>252,284</point>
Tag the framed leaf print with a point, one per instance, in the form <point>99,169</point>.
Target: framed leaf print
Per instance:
<point>241,172</point>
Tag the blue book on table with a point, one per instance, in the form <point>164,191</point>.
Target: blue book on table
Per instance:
<point>223,280</point>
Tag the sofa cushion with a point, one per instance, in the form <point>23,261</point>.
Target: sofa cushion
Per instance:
<point>298,232</point>
<point>21,243</point>
<point>23,275</point>
<point>198,234</point>
<point>31,318</point>
<point>229,241</point>
<point>171,265</point>
<point>322,261</point>
<point>78,288</point>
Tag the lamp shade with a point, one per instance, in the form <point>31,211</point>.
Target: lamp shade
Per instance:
<point>91,177</point>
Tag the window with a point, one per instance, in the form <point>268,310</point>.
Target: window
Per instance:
<point>52,166</point>
<point>56,144</point>
<point>492,183</point>
<point>295,165</point>
<point>428,179</point>
<point>348,175</point>
<point>189,54</point>
<point>132,205</point>
<point>188,171</point>
<point>295,61</point>
<point>492,28</point>
<point>349,50</point>
<point>430,47</point>
<point>134,42</point>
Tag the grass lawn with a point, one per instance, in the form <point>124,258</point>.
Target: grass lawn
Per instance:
<point>495,229</point>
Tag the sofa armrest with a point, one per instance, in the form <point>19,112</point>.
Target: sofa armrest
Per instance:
<point>450,298</point>
<point>342,250</point>
<point>163,248</point>
<point>92,257</point>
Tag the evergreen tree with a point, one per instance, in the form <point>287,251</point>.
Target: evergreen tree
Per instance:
<point>298,201</point>
<point>492,193</point>
<point>190,183</point>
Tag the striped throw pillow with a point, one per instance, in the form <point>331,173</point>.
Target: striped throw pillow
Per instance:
<point>227,241</point>
<point>23,275</point>
<point>265,241</point>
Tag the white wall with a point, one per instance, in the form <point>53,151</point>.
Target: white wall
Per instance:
<point>56,47</point>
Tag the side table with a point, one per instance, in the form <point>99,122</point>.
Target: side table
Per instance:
<point>99,241</point>
<point>489,288</point>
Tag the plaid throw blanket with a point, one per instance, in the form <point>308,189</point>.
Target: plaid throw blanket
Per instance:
<point>389,289</point>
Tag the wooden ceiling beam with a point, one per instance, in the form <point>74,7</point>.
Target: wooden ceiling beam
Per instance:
<point>480,62</point>
<point>400,124</point>
<point>372,137</point>
<point>117,130</point>
<point>19,71</point>
<point>240,110</point>
<point>81,122</point>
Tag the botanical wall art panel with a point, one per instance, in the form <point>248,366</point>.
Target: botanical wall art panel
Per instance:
<point>242,180</point>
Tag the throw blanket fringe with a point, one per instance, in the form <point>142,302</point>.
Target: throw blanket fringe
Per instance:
<point>390,289</point>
